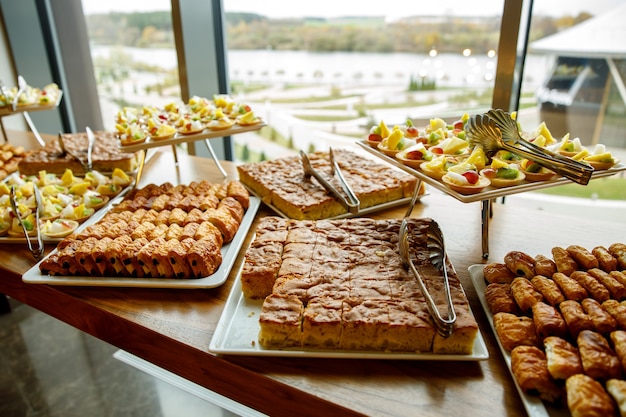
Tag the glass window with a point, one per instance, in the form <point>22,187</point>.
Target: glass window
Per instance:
<point>322,73</point>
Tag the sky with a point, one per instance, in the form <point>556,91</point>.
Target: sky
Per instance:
<point>337,8</point>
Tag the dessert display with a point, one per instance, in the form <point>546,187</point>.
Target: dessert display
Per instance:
<point>465,178</point>
<point>340,284</point>
<point>395,142</point>
<point>158,231</point>
<point>414,155</point>
<point>51,158</point>
<point>281,183</point>
<point>562,320</point>
<point>199,114</point>
<point>502,174</point>
<point>67,200</point>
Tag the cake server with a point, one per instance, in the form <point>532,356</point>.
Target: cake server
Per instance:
<point>36,251</point>
<point>497,130</point>
<point>309,171</point>
<point>437,256</point>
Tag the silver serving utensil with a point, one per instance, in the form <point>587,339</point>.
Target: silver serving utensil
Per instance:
<point>309,171</point>
<point>335,170</point>
<point>437,256</point>
<point>36,251</point>
<point>91,140</point>
<point>21,87</point>
<point>62,144</point>
<point>496,130</point>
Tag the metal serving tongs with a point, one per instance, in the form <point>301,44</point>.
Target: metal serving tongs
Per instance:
<point>497,130</point>
<point>437,256</point>
<point>36,251</point>
<point>351,202</point>
<point>91,139</point>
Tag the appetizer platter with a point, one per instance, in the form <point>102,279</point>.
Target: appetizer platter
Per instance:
<point>200,118</point>
<point>166,236</point>
<point>340,290</point>
<point>66,202</point>
<point>559,323</point>
<point>472,159</point>
<point>26,98</point>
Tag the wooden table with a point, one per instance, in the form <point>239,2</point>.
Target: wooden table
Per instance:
<point>172,328</point>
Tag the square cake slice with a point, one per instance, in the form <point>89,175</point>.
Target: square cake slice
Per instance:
<point>281,321</point>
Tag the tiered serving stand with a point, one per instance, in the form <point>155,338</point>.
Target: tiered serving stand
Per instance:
<point>488,194</point>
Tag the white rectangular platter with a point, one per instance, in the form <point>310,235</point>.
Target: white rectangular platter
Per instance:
<point>237,334</point>
<point>533,404</point>
<point>229,255</point>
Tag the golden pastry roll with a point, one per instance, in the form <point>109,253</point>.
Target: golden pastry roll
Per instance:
<point>499,298</point>
<point>520,263</point>
<point>530,368</point>
<point>618,250</point>
<point>617,390</point>
<point>548,321</point>
<point>598,359</point>
<point>582,256</point>
<point>549,289</point>
<point>513,330</point>
<point>620,276</point>
<point>564,262</point>
<point>594,287</point>
<point>544,266</point>
<point>563,359</point>
<point>617,310</point>
<point>618,339</point>
<point>497,272</point>
<point>570,287</point>
<point>586,397</point>
<point>615,287</point>
<point>603,322</point>
<point>606,261</point>
<point>575,317</point>
<point>525,294</point>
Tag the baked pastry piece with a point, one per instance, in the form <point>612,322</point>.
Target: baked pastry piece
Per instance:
<point>515,330</point>
<point>520,263</point>
<point>321,324</point>
<point>544,266</point>
<point>363,325</point>
<point>497,272</point>
<point>549,289</point>
<point>548,321</point>
<point>582,256</point>
<point>575,317</point>
<point>499,298</point>
<point>615,287</point>
<point>563,359</point>
<point>525,294</point>
<point>617,310</point>
<point>618,250</point>
<point>598,359</point>
<point>606,261</point>
<point>564,262</point>
<point>587,398</point>
<point>529,366</point>
<point>260,269</point>
<point>603,322</point>
<point>617,390</point>
<point>410,327</point>
<point>280,319</point>
<point>595,289</point>
<point>570,287</point>
<point>618,339</point>
<point>461,341</point>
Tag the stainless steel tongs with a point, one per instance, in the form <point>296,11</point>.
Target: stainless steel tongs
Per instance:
<point>497,130</point>
<point>437,256</point>
<point>39,249</point>
<point>350,200</point>
<point>91,139</point>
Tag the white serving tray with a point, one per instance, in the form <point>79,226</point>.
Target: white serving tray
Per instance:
<point>229,255</point>
<point>237,334</point>
<point>532,403</point>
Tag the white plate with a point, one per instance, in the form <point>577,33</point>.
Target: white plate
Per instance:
<point>229,255</point>
<point>533,404</point>
<point>238,329</point>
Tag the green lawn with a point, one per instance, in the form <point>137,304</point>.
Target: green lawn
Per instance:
<point>612,188</point>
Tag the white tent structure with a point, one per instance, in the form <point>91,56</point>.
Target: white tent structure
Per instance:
<point>601,37</point>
